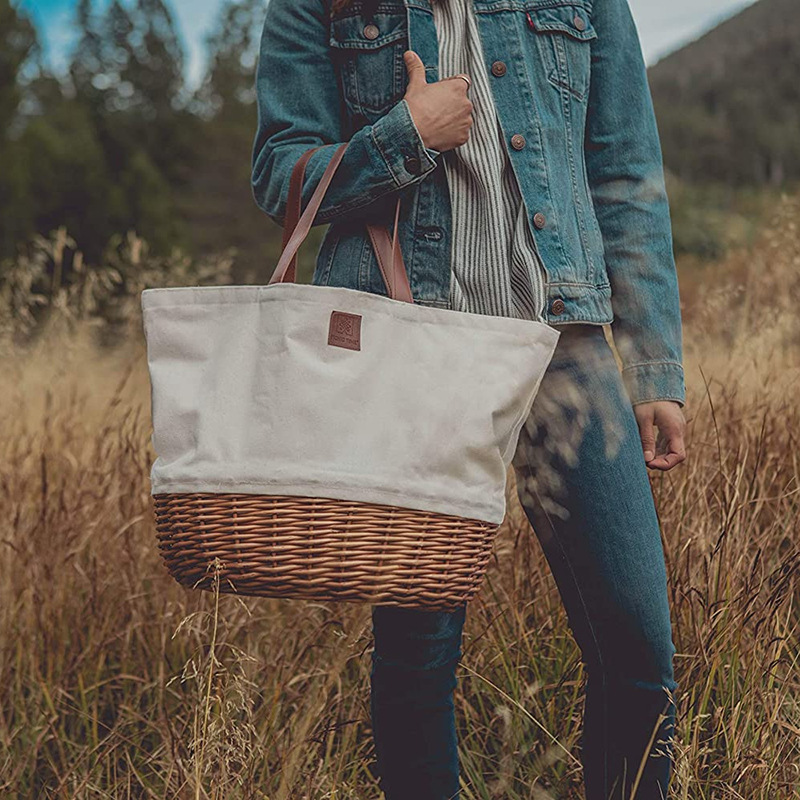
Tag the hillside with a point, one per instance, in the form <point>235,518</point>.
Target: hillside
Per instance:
<point>728,103</point>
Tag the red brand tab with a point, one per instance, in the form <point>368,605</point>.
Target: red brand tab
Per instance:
<point>345,330</point>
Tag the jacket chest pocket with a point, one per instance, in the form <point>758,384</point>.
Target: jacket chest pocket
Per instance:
<point>368,55</point>
<point>563,35</point>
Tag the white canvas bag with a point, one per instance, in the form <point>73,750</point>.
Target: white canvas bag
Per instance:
<point>324,391</point>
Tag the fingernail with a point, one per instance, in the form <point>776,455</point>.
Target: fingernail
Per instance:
<point>648,455</point>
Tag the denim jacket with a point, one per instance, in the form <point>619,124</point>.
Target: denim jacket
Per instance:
<point>571,92</point>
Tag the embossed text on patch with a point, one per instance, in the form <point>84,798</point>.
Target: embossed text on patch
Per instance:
<point>345,330</point>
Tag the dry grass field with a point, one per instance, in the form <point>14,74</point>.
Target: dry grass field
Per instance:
<point>117,683</point>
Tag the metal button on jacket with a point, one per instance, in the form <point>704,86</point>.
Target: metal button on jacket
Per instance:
<point>413,164</point>
<point>518,141</point>
<point>539,220</point>
<point>371,31</point>
<point>498,68</point>
<point>579,22</point>
<point>557,306</point>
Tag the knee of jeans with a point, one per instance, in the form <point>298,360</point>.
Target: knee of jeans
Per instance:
<point>648,666</point>
<point>662,652</point>
<point>417,639</point>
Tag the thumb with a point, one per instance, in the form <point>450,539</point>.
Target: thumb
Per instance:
<point>415,68</point>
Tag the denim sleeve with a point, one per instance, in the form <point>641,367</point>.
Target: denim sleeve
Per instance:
<point>626,178</point>
<point>299,107</point>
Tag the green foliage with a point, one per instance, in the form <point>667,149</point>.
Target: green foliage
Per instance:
<point>120,144</point>
<point>728,104</point>
<point>218,205</point>
<point>111,148</point>
<point>229,85</point>
<point>18,43</point>
<point>710,218</point>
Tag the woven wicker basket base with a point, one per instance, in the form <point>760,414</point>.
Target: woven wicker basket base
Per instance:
<point>322,549</point>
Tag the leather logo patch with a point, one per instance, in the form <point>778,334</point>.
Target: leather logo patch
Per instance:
<point>345,330</point>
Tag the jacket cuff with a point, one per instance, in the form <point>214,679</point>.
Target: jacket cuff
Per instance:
<point>655,380</point>
<point>400,144</point>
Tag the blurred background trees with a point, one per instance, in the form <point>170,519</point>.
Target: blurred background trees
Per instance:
<point>120,144</point>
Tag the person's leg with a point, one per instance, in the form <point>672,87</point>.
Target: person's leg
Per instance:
<point>583,483</point>
<point>412,682</point>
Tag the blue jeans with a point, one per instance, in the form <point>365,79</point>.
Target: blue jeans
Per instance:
<point>583,483</point>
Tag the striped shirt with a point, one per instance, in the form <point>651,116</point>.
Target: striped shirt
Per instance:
<point>495,268</point>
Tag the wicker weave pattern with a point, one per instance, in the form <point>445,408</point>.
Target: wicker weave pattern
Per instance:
<point>323,549</point>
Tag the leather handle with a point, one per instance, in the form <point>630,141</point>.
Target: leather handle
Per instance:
<point>296,227</point>
<point>293,207</point>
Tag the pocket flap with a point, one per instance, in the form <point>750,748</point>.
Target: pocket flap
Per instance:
<point>574,20</point>
<point>352,32</point>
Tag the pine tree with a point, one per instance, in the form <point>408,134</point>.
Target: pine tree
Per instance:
<point>232,54</point>
<point>18,45</point>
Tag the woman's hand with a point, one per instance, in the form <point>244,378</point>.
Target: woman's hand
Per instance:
<point>441,111</point>
<point>667,416</point>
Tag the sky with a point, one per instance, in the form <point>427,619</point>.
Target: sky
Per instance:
<point>663,25</point>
